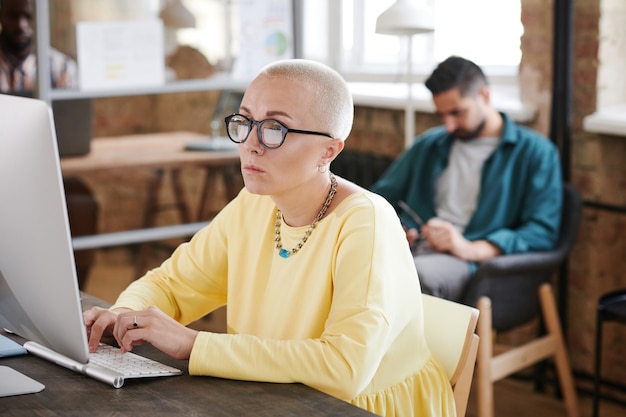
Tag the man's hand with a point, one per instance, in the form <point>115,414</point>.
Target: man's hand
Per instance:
<point>411,235</point>
<point>444,237</point>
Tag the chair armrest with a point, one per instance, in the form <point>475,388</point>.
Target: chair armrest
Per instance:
<point>520,263</point>
<point>512,282</point>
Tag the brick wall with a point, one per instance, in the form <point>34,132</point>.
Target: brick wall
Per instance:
<point>597,264</point>
<point>597,169</point>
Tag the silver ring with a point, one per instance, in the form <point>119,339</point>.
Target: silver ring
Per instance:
<point>135,324</point>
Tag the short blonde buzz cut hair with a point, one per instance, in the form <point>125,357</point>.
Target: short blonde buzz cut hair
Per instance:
<point>333,106</point>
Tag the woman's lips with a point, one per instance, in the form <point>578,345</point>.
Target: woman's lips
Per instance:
<point>252,169</point>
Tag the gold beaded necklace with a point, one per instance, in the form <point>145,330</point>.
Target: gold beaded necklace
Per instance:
<point>285,253</point>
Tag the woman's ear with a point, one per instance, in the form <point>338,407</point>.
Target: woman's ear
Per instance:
<point>331,150</point>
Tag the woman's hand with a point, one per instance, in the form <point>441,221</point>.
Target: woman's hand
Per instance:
<point>133,328</point>
<point>100,322</point>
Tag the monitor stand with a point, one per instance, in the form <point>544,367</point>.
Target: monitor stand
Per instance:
<point>13,382</point>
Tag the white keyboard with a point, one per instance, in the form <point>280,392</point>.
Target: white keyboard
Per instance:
<point>108,364</point>
<point>129,365</point>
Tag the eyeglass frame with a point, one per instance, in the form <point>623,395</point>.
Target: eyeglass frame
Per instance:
<point>258,124</point>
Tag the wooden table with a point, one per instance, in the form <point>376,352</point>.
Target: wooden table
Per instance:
<point>71,394</point>
<point>160,152</point>
<point>153,150</point>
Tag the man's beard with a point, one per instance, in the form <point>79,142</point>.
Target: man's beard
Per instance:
<point>15,47</point>
<point>470,134</point>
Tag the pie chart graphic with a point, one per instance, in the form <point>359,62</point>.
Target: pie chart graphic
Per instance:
<point>276,44</point>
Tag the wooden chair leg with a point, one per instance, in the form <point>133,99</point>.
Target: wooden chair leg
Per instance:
<point>564,370</point>
<point>463,385</point>
<point>484,382</point>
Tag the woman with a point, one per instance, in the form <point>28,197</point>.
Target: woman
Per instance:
<point>318,280</point>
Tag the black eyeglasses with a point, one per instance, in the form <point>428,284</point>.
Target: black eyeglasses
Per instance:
<point>271,133</point>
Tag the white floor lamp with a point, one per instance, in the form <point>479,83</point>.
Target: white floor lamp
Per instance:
<point>407,18</point>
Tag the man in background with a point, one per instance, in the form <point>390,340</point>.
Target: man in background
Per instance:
<point>18,76</point>
<point>476,187</point>
<point>18,64</point>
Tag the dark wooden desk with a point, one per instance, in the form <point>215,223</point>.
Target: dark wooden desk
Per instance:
<point>71,394</point>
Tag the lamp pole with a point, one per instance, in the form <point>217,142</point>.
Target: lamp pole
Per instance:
<point>407,17</point>
<point>409,117</point>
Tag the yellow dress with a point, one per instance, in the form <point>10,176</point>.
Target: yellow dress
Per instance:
<point>343,315</point>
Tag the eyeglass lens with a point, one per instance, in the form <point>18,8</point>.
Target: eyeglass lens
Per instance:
<point>271,132</point>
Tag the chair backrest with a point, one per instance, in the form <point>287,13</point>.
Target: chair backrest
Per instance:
<point>449,329</point>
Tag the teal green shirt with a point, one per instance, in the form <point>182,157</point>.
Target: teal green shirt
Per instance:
<point>520,200</point>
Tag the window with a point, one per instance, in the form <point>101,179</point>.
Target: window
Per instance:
<point>342,34</point>
<point>213,34</point>
<point>612,65</point>
<point>610,116</point>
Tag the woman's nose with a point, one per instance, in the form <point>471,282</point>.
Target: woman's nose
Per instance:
<point>253,144</point>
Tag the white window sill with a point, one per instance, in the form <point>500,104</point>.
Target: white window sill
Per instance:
<point>506,98</point>
<point>610,120</point>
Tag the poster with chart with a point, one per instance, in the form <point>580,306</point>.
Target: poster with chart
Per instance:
<point>265,35</point>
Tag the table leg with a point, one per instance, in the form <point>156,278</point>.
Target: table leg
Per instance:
<point>179,195</point>
<point>229,177</point>
<point>149,216</point>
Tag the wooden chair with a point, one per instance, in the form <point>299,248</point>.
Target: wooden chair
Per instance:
<point>511,290</point>
<point>492,368</point>
<point>449,328</point>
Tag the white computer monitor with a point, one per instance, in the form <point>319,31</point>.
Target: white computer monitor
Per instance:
<point>39,296</point>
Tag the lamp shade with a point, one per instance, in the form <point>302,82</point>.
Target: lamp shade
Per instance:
<point>406,17</point>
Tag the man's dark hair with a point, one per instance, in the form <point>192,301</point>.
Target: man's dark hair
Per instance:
<point>456,72</point>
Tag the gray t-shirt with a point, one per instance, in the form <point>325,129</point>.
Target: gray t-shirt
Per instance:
<point>458,186</point>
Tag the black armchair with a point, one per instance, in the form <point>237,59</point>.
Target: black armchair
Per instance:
<point>511,290</point>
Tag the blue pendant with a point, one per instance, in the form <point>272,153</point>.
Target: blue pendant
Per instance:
<point>284,253</point>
